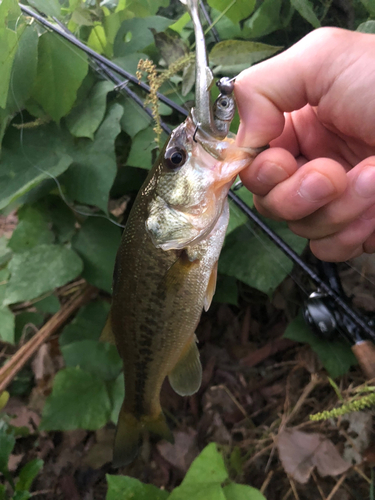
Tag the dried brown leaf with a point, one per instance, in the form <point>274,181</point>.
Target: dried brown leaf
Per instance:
<point>300,452</point>
<point>182,452</point>
<point>21,415</point>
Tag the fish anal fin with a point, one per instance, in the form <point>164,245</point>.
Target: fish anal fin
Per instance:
<point>129,435</point>
<point>211,287</point>
<point>186,376</point>
<point>107,332</point>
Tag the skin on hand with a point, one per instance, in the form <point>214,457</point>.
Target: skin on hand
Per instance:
<point>315,105</point>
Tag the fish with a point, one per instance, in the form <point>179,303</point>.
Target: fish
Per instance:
<point>166,266</point>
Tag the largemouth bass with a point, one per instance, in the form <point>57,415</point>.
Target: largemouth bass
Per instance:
<point>165,271</point>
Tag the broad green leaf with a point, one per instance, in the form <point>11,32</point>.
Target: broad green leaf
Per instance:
<point>170,46</point>
<point>28,473</point>
<point>4,398</point>
<point>3,492</point>
<point>50,8</point>
<point>129,488</point>
<point>7,323</point>
<point>242,492</point>
<point>134,34</point>
<point>5,252</point>
<point>79,400</point>
<point>143,145</point>
<point>86,117</point>
<point>23,70</point>
<point>21,495</point>
<point>241,9</point>
<point>28,321</point>
<point>97,243</point>
<point>30,157</point>
<point>49,305</point>
<point>92,356</point>
<point>134,118</point>
<point>61,216</point>
<point>252,258</point>
<point>39,270</point>
<point>180,24</point>
<point>370,6</point>
<point>226,290</point>
<point>91,176</point>
<point>143,8</point>
<point>203,479</point>
<point>367,27</point>
<point>226,28</point>
<point>232,56</point>
<point>32,229</point>
<point>87,325</point>
<point>97,39</point>
<point>7,442</point>
<point>336,355</point>
<point>305,9</point>
<point>8,47</point>
<point>130,62</point>
<point>9,13</point>
<point>61,69</point>
<point>116,390</point>
<point>265,19</point>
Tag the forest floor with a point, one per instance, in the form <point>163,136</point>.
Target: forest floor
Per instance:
<point>257,394</point>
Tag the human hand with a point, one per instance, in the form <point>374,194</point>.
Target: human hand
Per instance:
<point>319,174</point>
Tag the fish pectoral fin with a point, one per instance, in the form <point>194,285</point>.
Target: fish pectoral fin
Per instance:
<point>178,272</point>
<point>186,376</point>
<point>107,333</point>
<point>211,287</point>
<point>129,434</point>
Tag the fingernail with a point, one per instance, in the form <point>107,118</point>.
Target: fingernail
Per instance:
<point>316,187</point>
<point>271,174</point>
<point>365,183</point>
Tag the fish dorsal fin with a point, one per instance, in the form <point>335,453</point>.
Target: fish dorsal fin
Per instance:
<point>211,287</point>
<point>107,333</point>
<point>186,376</point>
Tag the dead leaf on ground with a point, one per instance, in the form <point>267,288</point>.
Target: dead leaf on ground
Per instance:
<point>300,452</point>
<point>182,452</point>
<point>359,435</point>
<point>21,415</point>
<point>14,461</point>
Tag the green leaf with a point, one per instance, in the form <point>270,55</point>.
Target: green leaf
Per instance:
<point>21,495</point>
<point>79,400</point>
<point>26,318</point>
<point>336,355</point>
<point>241,9</point>
<point>50,8</point>
<point>90,178</point>
<point>29,278</point>
<point>32,229</point>
<point>232,56</point>
<point>367,27</point>
<point>28,473</point>
<point>252,258</point>
<point>226,290</point>
<point>92,356</point>
<point>129,488</point>
<point>9,12</point>
<point>61,69</point>
<point>116,391</point>
<point>370,7</point>
<point>23,70</point>
<point>305,9</point>
<point>61,216</point>
<point>30,157</point>
<point>141,151</point>
<point>86,117</point>
<point>134,34</point>
<point>7,323</point>
<point>5,252</point>
<point>265,19</point>
<point>134,118</point>
<point>203,479</point>
<point>49,305</point>
<point>242,492</point>
<point>7,442</point>
<point>8,47</point>
<point>88,323</point>
<point>97,244</point>
<point>97,39</point>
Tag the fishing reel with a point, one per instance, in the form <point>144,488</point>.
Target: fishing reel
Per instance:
<point>321,315</point>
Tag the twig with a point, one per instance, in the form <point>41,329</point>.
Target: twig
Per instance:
<point>266,481</point>
<point>315,380</point>
<point>294,489</point>
<point>287,494</point>
<point>337,486</point>
<point>257,455</point>
<point>318,485</point>
<point>22,356</point>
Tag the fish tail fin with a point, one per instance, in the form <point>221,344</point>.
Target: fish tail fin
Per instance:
<point>129,433</point>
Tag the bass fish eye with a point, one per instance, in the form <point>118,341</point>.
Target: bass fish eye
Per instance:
<point>175,158</point>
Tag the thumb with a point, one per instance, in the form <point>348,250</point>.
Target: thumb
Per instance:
<point>301,75</point>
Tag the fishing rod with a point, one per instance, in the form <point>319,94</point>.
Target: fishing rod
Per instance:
<point>107,67</point>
